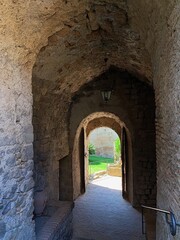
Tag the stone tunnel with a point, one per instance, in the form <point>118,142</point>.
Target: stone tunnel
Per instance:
<point>56,58</point>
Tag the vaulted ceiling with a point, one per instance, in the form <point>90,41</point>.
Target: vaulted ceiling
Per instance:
<point>89,43</point>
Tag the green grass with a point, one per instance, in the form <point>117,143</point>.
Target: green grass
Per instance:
<point>97,163</point>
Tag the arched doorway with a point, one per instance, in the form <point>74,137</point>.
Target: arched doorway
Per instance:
<point>80,161</point>
<point>104,150</point>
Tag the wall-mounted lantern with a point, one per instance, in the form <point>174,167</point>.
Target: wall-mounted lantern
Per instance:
<point>106,95</point>
<point>108,85</point>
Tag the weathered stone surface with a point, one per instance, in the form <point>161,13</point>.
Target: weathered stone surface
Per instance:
<point>2,229</point>
<point>79,40</point>
<point>27,153</point>
<point>27,185</point>
<point>9,193</point>
<point>165,54</point>
<point>7,208</point>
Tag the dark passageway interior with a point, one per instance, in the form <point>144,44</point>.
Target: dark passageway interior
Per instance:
<point>130,112</point>
<point>132,102</point>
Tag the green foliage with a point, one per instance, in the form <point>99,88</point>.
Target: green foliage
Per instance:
<point>97,163</point>
<point>117,149</point>
<point>92,149</point>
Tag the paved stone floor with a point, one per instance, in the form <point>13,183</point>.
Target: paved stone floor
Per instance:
<point>102,214</point>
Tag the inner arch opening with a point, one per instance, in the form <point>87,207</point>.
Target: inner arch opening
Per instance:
<point>104,153</point>
<point>80,156</point>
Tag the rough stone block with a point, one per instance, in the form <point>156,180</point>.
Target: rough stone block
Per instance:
<point>2,229</point>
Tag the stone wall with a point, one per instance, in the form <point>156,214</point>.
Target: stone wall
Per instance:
<point>50,141</point>
<point>16,151</point>
<point>133,102</point>
<point>164,52</point>
<point>24,29</point>
<point>103,139</point>
<point>167,87</point>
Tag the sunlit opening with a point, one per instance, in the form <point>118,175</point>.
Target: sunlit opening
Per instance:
<point>109,182</point>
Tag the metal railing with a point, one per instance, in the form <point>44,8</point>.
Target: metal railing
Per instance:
<point>170,219</point>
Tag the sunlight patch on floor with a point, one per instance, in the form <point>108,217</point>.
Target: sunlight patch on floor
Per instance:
<point>109,182</point>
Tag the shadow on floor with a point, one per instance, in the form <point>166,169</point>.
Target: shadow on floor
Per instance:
<point>102,214</point>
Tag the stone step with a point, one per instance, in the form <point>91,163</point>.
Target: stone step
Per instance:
<point>59,225</point>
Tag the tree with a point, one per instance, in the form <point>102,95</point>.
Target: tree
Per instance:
<point>117,149</point>
<point>92,149</point>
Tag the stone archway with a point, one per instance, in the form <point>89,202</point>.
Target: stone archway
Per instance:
<point>133,103</point>
<point>91,122</point>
